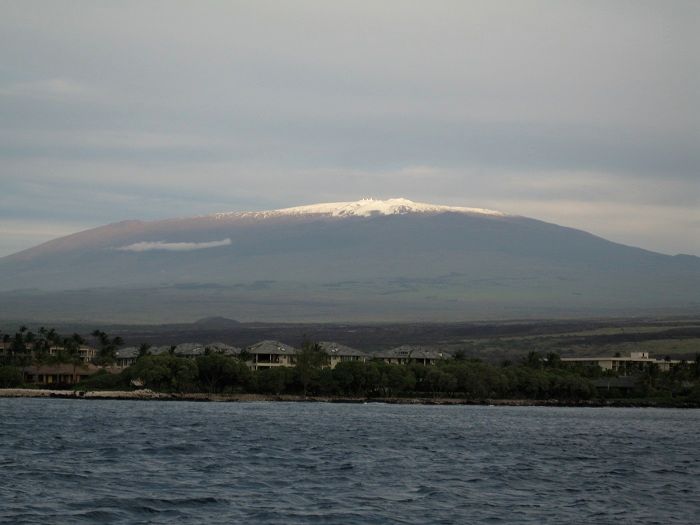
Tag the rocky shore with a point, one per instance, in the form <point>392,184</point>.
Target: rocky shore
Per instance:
<point>149,395</point>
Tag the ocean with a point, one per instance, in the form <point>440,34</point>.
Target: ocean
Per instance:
<point>80,461</point>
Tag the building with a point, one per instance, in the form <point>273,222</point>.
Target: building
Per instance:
<point>160,350</point>
<point>633,364</point>
<point>338,353</point>
<point>223,348</point>
<point>271,354</point>
<point>408,354</point>
<point>126,356</point>
<point>86,353</point>
<point>189,350</point>
<point>59,374</point>
<point>194,350</point>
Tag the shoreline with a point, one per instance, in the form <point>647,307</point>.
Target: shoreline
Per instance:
<point>149,395</point>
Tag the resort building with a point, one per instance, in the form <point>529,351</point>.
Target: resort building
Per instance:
<point>635,363</point>
<point>408,354</point>
<point>189,350</point>
<point>160,350</point>
<point>59,374</point>
<point>126,356</point>
<point>338,353</point>
<point>86,353</point>
<point>270,354</point>
<point>222,348</point>
<point>194,350</point>
<point>6,350</point>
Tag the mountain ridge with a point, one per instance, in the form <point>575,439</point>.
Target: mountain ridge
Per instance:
<point>391,259</point>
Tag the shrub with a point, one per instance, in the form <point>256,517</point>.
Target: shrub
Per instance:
<point>10,377</point>
<point>103,380</point>
<point>165,372</point>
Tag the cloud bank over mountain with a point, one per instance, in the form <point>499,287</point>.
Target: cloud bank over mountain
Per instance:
<point>173,246</point>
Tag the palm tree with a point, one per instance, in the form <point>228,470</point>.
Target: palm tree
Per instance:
<point>53,336</point>
<point>310,360</point>
<point>71,353</point>
<point>107,346</point>
<point>143,349</point>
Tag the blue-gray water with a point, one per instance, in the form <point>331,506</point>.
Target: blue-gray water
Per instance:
<point>67,461</point>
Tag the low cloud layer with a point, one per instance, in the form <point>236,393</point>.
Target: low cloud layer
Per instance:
<point>173,246</point>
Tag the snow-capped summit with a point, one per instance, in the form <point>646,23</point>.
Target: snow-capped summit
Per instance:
<point>363,208</point>
<point>368,260</point>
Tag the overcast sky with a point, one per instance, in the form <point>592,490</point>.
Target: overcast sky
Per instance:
<point>586,113</point>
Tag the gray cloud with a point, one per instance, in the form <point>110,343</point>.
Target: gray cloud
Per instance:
<point>565,111</point>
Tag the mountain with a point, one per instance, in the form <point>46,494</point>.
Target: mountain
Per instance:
<point>365,260</point>
<point>216,323</point>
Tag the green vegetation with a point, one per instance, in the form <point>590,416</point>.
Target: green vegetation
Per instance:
<point>537,373</point>
<point>103,380</point>
<point>536,377</point>
<point>10,377</point>
<point>46,346</point>
<point>679,341</point>
<point>217,373</point>
<point>106,347</point>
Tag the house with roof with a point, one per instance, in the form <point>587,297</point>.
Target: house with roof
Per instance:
<point>127,356</point>
<point>58,374</point>
<point>5,347</point>
<point>189,350</point>
<point>160,350</point>
<point>194,350</point>
<point>635,363</point>
<point>412,354</point>
<point>338,353</point>
<point>86,353</point>
<point>270,354</point>
<point>222,348</point>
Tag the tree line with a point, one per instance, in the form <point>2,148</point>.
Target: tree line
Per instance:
<point>536,376</point>
<point>26,347</point>
<point>458,378</point>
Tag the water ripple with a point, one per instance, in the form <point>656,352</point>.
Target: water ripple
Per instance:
<point>66,461</point>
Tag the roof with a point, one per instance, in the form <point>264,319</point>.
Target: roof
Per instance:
<point>332,348</point>
<point>223,348</point>
<point>83,348</point>
<point>159,350</point>
<point>61,368</point>
<point>272,347</point>
<point>634,359</point>
<point>620,359</point>
<point>129,352</point>
<point>196,349</point>
<point>189,349</point>
<point>413,352</point>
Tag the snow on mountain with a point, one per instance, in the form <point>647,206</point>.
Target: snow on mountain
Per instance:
<point>398,260</point>
<point>362,208</point>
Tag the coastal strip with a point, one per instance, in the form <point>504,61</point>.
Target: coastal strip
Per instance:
<point>149,395</point>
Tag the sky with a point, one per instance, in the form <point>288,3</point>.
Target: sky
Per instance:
<point>586,114</point>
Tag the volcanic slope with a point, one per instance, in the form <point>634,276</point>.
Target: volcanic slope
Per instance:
<point>367,260</point>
